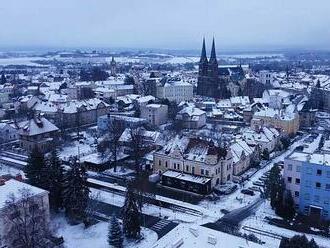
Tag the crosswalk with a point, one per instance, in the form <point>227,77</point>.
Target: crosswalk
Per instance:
<point>160,225</point>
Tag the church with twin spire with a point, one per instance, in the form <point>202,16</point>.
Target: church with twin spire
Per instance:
<point>210,83</point>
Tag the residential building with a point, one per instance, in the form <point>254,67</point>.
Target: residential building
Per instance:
<point>104,121</point>
<point>155,114</point>
<point>174,90</point>
<point>193,164</point>
<point>38,133</point>
<point>38,196</point>
<point>307,178</point>
<point>192,117</point>
<point>286,121</point>
<point>266,77</point>
<point>242,154</point>
<point>8,132</point>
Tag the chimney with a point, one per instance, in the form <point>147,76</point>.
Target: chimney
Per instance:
<point>2,181</point>
<point>19,177</point>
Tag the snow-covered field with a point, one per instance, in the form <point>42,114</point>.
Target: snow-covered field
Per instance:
<point>257,221</point>
<point>96,235</point>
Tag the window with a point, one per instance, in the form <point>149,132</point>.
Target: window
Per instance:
<point>290,167</point>
<point>207,172</point>
<point>298,168</point>
<point>166,164</point>
<point>178,166</point>
<point>160,163</point>
<point>296,193</point>
<point>187,167</point>
<point>174,166</point>
<point>202,171</point>
<point>319,172</point>
<point>297,180</point>
<point>193,170</point>
<point>327,186</point>
<point>318,185</point>
<point>289,179</point>
<point>328,174</point>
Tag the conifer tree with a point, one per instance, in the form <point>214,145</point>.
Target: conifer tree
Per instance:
<point>55,180</point>
<point>75,192</point>
<point>115,234</point>
<point>131,214</point>
<point>35,169</point>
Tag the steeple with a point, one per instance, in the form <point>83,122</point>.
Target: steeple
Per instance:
<point>213,70</point>
<point>213,53</point>
<point>203,55</point>
<point>203,63</point>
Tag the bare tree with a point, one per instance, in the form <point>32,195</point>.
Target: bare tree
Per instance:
<point>93,205</point>
<point>26,221</point>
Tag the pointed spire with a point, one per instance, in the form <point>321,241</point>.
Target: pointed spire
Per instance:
<point>213,54</point>
<point>203,55</point>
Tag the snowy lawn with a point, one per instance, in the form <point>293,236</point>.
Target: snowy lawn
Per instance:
<point>96,235</point>
<point>258,221</point>
<point>121,171</point>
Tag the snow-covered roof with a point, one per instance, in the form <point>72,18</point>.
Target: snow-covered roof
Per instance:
<point>315,158</point>
<point>195,236</point>
<point>192,111</point>
<point>13,186</point>
<point>36,126</point>
<point>186,177</point>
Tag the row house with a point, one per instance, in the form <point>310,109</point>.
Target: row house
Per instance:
<point>74,113</point>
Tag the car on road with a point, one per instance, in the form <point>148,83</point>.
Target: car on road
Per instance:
<point>247,192</point>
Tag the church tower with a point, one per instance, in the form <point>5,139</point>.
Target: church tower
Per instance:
<point>203,71</point>
<point>213,70</point>
<point>203,63</point>
<point>113,67</point>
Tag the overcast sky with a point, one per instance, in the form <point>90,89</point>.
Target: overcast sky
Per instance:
<point>173,24</point>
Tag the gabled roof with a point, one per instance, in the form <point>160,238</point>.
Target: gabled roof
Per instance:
<point>36,126</point>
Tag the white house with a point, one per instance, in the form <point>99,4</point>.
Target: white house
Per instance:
<point>155,114</point>
<point>12,186</point>
<point>192,117</point>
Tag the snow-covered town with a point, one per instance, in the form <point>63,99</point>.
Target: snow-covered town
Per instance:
<point>158,148</point>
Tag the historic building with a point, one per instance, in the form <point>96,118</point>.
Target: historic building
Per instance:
<point>210,83</point>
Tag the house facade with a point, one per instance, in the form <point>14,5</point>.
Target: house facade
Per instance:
<point>38,196</point>
<point>38,133</point>
<point>155,114</point>
<point>193,164</point>
<point>307,178</point>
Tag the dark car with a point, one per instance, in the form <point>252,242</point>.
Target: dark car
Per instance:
<point>247,192</point>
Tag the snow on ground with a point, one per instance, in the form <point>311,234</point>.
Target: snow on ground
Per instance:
<point>5,170</point>
<point>118,200</point>
<point>258,221</point>
<point>121,171</point>
<point>211,211</point>
<point>96,235</point>
<point>29,61</point>
<point>237,199</point>
<point>311,147</point>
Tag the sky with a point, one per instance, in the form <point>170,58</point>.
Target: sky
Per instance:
<point>167,24</point>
